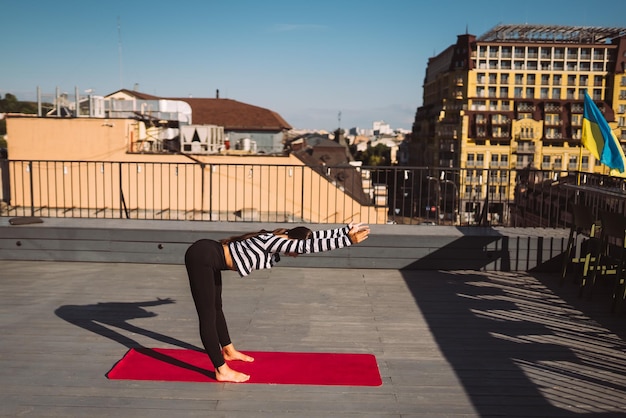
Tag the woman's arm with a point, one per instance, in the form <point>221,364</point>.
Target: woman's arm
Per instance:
<point>356,234</point>
<point>338,232</point>
<point>331,233</point>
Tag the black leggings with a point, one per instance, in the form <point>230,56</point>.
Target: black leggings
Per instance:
<point>205,261</point>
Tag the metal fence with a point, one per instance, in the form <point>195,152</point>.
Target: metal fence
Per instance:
<point>304,194</point>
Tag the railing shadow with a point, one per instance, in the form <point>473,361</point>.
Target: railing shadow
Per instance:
<point>516,345</point>
<point>109,319</point>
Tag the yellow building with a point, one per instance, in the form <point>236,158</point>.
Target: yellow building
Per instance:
<point>513,98</point>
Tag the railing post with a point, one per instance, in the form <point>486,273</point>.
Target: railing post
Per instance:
<point>302,195</point>
<point>32,191</point>
<point>202,165</point>
<point>119,168</point>
<point>211,192</point>
<point>122,201</point>
<point>5,179</point>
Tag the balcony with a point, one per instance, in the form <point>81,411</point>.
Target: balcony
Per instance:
<point>552,108</point>
<point>525,149</point>
<point>577,108</point>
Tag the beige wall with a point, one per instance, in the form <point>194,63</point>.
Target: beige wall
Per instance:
<point>79,139</point>
<point>76,167</point>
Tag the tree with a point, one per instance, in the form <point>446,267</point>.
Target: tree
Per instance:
<point>380,155</point>
<point>10,104</point>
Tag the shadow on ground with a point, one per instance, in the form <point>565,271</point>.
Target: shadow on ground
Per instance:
<point>111,319</point>
<point>521,346</point>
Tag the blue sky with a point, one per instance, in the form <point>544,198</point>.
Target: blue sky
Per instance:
<point>306,60</point>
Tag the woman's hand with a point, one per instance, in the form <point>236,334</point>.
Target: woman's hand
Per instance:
<point>358,232</point>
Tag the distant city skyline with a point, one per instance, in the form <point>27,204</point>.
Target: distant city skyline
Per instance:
<point>309,62</point>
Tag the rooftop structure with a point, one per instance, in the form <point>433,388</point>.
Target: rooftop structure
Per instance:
<point>552,34</point>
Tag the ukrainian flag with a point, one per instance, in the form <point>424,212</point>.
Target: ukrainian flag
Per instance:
<point>600,140</point>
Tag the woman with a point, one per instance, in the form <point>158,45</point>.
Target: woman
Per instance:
<point>205,259</point>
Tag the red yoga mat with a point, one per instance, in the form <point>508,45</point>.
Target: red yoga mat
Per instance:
<point>179,365</point>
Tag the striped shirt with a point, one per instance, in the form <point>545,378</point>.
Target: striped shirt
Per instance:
<point>259,252</point>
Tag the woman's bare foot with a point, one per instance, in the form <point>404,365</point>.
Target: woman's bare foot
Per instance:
<point>230,353</point>
<point>226,374</point>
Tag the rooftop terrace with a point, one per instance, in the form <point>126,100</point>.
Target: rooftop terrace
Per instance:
<point>455,343</point>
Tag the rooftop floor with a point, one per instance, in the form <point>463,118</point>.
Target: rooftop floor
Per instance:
<point>453,344</point>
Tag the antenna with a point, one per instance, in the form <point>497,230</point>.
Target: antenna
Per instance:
<point>119,50</point>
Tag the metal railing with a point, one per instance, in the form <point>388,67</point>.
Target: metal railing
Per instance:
<point>295,193</point>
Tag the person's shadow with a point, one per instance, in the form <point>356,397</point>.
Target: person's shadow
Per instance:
<point>103,317</point>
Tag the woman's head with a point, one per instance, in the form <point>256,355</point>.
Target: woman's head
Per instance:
<point>299,232</point>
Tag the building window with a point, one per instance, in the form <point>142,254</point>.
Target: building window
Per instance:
<point>573,163</point>
<point>585,162</point>
<point>572,53</point>
<point>597,94</point>
<point>559,53</point>
<point>597,80</point>
<point>576,133</point>
<point>470,160</point>
<point>479,105</point>
<point>530,92</point>
<point>530,79</point>
<point>480,160</point>
<point>558,163</point>
<point>556,94</point>
<point>519,78</point>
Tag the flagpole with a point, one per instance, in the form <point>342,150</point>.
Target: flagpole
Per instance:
<point>580,161</point>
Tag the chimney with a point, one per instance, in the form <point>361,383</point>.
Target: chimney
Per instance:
<point>217,93</point>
